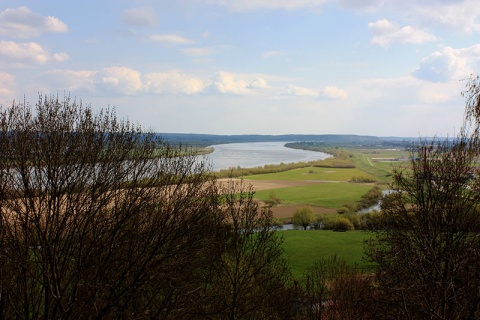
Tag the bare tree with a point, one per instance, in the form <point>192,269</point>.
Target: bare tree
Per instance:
<point>98,219</point>
<point>249,277</point>
<point>332,289</point>
<point>428,247</point>
<point>101,220</point>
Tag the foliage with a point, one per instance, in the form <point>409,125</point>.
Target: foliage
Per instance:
<point>367,200</point>
<point>371,198</point>
<point>303,217</point>
<point>337,223</point>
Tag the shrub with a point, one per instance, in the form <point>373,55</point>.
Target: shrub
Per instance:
<point>360,179</point>
<point>343,210</point>
<point>343,224</point>
<point>372,220</point>
<point>356,220</point>
<point>273,200</point>
<point>303,217</point>
<point>335,222</point>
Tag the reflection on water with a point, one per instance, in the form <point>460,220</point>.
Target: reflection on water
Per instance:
<point>258,154</point>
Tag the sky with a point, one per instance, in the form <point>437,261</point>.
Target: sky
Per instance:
<point>369,67</point>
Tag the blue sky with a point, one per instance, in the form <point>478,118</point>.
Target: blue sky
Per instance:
<point>374,67</point>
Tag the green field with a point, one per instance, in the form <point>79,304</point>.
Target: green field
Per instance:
<point>328,195</point>
<point>304,247</point>
<point>335,192</point>
<point>313,173</point>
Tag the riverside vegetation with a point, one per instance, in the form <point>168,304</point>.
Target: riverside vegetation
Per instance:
<point>101,220</point>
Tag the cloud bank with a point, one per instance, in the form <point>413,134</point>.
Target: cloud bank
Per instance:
<point>21,22</point>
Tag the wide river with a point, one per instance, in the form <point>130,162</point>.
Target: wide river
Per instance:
<point>258,154</point>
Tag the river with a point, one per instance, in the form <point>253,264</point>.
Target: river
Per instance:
<point>258,154</point>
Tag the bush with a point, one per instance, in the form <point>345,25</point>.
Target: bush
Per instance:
<point>372,220</point>
<point>371,198</point>
<point>273,200</point>
<point>356,220</point>
<point>343,210</point>
<point>359,179</point>
<point>343,224</point>
<point>337,222</point>
<point>303,217</point>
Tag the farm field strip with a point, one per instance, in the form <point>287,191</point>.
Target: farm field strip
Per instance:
<point>313,173</point>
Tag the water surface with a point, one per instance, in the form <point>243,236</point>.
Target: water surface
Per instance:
<point>258,154</point>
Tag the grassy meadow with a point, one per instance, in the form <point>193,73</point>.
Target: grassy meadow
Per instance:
<point>304,247</point>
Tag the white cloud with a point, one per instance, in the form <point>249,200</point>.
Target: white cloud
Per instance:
<point>462,15</point>
<point>126,81</point>
<point>332,92</point>
<point>144,17</point>
<point>258,83</point>
<point>23,53</point>
<point>173,82</point>
<point>225,82</point>
<point>404,91</point>
<point>385,32</point>
<point>21,22</point>
<point>459,14</point>
<point>300,91</point>
<point>407,104</point>
<point>449,64</point>
<point>61,56</point>
<point>170,39</point>
<point>119,80</point>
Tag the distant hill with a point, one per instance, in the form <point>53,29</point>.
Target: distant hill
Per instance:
<point>204,140</point>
